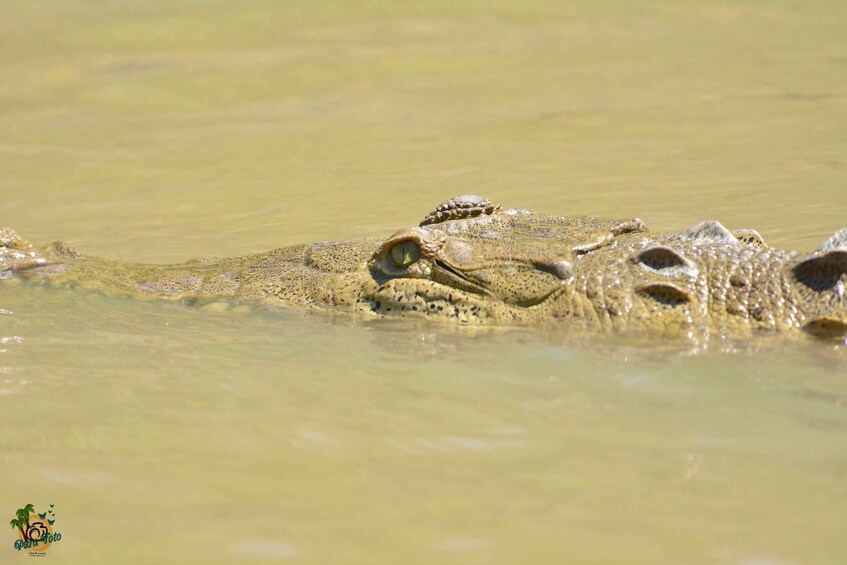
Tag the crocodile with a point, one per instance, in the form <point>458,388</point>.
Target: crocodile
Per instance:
<point>471,262</point>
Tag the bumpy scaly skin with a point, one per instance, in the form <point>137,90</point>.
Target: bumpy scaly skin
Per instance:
<point>472,263</point>
<point>461,207</point>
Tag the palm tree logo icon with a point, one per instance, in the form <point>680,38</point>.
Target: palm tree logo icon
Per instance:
<point>33,533</point>
<point>22,519</point>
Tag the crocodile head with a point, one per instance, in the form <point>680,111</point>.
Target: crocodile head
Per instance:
<point>471,261</point>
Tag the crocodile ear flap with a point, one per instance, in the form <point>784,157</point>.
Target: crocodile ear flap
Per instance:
<point>820,280</point>
<point>822,271</point>
<point>665,261</point>
<point>750,238</point>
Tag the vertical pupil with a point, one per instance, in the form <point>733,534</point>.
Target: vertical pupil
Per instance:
<point>404,254</point>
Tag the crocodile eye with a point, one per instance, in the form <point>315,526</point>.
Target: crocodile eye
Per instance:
<point>405,253</point>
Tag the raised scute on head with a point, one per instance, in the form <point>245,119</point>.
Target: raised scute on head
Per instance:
<point>751,238</point>
<point>635,225</point>
<point>837,242</point>
<point>460,207</point>
<point>707,232</point>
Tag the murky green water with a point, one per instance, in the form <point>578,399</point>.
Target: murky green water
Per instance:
<point>160,131</point>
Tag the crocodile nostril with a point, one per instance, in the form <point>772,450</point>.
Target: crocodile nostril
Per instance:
<point>560,268</point>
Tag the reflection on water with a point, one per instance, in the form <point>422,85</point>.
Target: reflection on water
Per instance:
<point>162,131</point>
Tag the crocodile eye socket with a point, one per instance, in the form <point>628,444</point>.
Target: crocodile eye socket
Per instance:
<point>405,253</point>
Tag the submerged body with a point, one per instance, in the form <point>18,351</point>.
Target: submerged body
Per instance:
<point>470,262</point>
